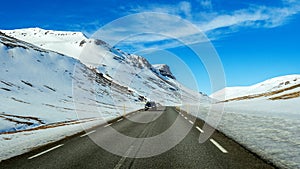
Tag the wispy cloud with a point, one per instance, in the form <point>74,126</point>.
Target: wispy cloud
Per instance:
<point>206,4</point>
<point>213,23</point>
<point>260,16</point>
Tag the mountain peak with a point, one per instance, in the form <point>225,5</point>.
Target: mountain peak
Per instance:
<point>64,42</point>
<point>164,70</point>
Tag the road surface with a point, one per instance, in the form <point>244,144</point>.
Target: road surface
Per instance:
<point>82,152</point>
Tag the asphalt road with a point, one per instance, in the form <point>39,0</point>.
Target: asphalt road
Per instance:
<point>83,151</point>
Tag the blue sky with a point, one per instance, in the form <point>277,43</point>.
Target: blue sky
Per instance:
<point>255,40</point>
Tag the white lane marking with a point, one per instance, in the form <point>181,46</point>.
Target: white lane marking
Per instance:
<point>88,133</point>
<point>121,162</point>
<point>218,146</point>
<point>45,151</point>
<point>198,128</point>
<point>120,120</point>
<point>191,122</point>
<point>107,125</point>
<point>185,118</point>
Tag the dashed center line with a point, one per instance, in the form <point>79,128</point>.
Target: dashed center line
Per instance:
<point>122,160</point>
<point>185,118</point>
<point>191,122</point>
<point>88,133</point>
<point>218,146</point>
<point>53,148</point>
<point>198,128</point>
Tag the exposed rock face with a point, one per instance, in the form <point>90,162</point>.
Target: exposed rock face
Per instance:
<point>164,70</point>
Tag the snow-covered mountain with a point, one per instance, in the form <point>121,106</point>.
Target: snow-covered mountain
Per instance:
<point>48,83</point>
<point>36,80</point>
<point>279,88</point>
<point>64,42</point>
<point>126,69</point>
<point>36,88</point>
<point>52,81</point>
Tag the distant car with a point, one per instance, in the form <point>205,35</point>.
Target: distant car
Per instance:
<point>149,105</point>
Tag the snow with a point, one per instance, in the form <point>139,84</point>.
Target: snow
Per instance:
<point>274,137</point>
<point>164,70</point>
<point>263,87</point>
<point>64,42</point>
<point>50,79</point>
<point>39,93</point>
<point>18,143</point>
<point>45,82</point>
<point>267,127</point>
<point>138,74</point>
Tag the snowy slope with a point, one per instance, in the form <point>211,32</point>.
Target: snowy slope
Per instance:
<point>67,43</point>
<point>130,70</point>
<point>38,83</point>
<point>268,86</point>
<point>39,87</point>
<point>37,93</point>
<point>279,96</point>
<point>138,74</point>
<point>47,90</point>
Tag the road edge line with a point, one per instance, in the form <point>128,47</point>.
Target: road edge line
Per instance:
<point>218,146</point>
<point>44,152</point>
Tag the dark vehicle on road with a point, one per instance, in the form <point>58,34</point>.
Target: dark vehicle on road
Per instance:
<point>149,105</point>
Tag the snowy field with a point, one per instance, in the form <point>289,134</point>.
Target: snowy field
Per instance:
<point>263,117</point>
<point>268,128</point>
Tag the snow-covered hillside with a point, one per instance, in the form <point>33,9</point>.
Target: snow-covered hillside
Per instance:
<point>47,90</point>
<point>155,82</point>
<point>138,74</point>
<point>279,95</point>
<point>271,88</point>
<point>36,92</point>
<point>67,43</point>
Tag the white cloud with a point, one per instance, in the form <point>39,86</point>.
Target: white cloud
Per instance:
<point>211,22</point>
<point>206,4</point>
<point>185,7</point>
<point>150,29</point>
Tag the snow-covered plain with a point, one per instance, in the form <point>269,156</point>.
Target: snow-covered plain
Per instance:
<point>268,121</point>
<point>46,92</point>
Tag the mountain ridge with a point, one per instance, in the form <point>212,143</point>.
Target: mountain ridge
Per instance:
<point>73,43</point>
<point>270,89</point>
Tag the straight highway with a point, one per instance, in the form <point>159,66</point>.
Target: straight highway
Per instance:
<point>82,152</point>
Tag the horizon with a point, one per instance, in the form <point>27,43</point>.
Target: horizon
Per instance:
<point>255,41</point>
